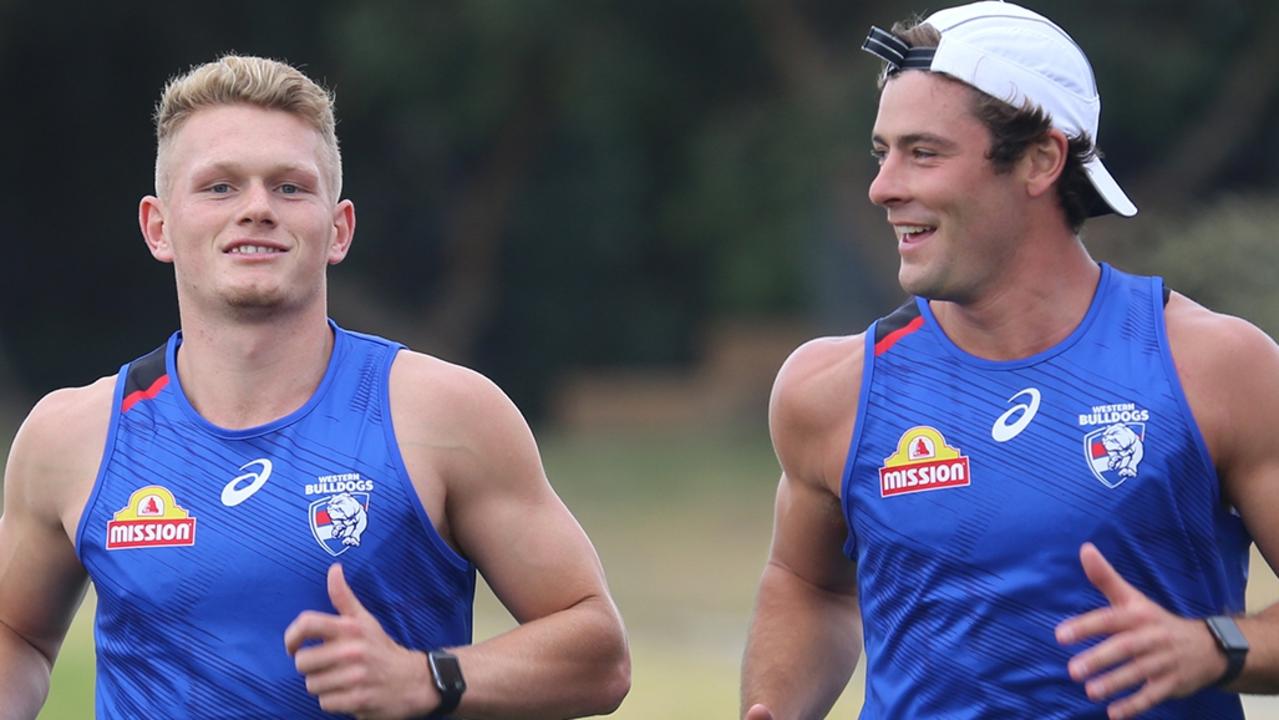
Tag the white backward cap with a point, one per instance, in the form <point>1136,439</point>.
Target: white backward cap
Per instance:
<point>1017,55</point>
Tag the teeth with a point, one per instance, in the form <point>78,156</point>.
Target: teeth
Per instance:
<point>905,230</point>
<point>252,249</point>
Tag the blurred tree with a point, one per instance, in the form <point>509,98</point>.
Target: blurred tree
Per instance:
<point>545,186</point>
<point>1223,256</point>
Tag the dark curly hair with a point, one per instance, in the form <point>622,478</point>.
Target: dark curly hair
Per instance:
<point>1013,130</point>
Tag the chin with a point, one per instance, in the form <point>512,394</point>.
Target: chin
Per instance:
<point>251,299</point>
<point>917,281</point>
<point>930,286</point>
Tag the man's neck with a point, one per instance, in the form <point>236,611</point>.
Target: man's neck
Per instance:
<point>241,374</point>
<point>1028,311</point>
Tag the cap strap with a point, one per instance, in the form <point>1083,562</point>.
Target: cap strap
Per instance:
<point>894,51</point>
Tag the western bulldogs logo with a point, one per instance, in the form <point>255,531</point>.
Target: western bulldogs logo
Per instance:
<point>339,521</point>
<point>1115,450</point>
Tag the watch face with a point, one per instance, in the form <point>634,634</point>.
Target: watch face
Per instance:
<point>447,672</point>
<point>1228,634</point>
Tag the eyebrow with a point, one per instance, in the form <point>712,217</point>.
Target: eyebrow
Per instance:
<point>218,168</point>
<point>922,138</point>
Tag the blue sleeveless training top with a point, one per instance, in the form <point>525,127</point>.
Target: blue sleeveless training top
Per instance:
<point>971,484</point>
<point>205,543</point>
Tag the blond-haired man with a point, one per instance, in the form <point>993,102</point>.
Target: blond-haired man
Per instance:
<point>1030,491</point>
<point>282,518</point>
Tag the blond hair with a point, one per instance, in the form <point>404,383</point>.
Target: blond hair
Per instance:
<point>242,79</point>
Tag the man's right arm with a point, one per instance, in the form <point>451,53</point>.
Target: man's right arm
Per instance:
<point>805,637</point>
<point>41,579</point>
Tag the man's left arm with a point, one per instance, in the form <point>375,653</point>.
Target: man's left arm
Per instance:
<point>568,656</point>
<point>1241,396</point>
<point>1230,372</point>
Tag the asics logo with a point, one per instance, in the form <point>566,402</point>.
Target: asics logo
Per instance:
<point>242,487</point>
<point>1003,430</point>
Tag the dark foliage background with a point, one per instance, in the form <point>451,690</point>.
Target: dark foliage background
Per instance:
<point>545,187</point>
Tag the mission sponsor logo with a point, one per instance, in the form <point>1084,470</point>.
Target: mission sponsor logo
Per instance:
<point>923,461</point>
<point>1114,451</point>
<point>151,519</point>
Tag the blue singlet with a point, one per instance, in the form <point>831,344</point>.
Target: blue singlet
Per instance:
<point>971,484</point>
<point>205,543</point>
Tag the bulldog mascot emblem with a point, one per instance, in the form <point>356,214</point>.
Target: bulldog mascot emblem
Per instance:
<point>339,521</point>
<point>1115,452</point>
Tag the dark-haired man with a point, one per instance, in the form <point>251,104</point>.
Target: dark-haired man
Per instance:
<point>1056,469</point>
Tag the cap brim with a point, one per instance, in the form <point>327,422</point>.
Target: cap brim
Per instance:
<point>1112,197</point>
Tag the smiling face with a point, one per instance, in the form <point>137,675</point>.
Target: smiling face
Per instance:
<point>247,216</point>
<point>956,219</point>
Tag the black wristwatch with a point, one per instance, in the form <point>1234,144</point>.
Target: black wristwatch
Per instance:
<point>1232,643</point>
<point>447,674</point>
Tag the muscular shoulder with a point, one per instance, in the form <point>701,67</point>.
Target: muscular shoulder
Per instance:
<point>817,381</point>
<point>1214,349</point>
<point>813,406</point>
<point>55,455</point>
<point>1229,370</point>
<point>454,414</point>
<point>444,388</point>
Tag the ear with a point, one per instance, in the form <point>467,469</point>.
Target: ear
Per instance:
<point>154,231</point>
<point>343,231</point>
<point>1044,161</point>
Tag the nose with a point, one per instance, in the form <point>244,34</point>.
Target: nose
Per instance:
<point>257,207</point>
<point>888,188</point>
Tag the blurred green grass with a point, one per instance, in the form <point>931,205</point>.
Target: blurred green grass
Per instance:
<point>681,519</point>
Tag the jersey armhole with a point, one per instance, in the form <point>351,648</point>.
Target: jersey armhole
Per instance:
<point>440,547</point>
<point>854,443</point>
<point>1159,296</point>
<point>108,449</point>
